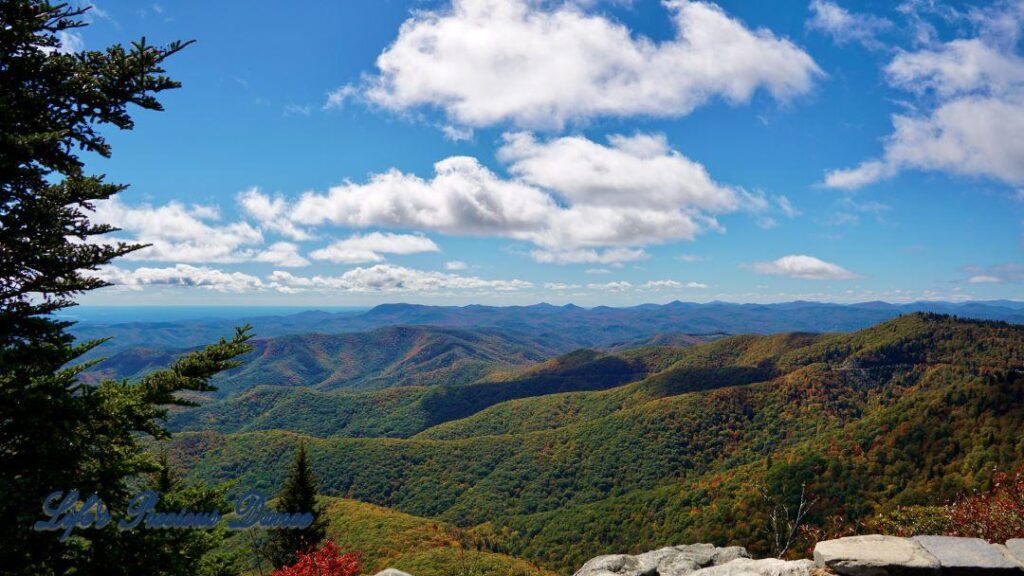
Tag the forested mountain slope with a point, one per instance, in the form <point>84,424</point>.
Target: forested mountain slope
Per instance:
<point>390,539</point>
<point>404,411</point>
<point>914,410</point>
<point>729,361</point>
<point>392,356</point>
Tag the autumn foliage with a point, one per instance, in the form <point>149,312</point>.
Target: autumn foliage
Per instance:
<point>325,561</point>
<point>996,515</point>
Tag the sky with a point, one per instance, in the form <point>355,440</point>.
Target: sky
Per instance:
<point>596,152</point>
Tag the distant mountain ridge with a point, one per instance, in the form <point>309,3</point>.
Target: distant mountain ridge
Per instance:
<point>568,327</point>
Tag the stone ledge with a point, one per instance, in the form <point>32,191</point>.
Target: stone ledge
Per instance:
<point>878,555</point>
<point>967,556</point>
<point>871,555</point>
<point>875,555</point>
<point>694,560</point>
<point>1015,549</point>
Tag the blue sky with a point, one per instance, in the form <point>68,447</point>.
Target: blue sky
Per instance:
<point>596,152</point>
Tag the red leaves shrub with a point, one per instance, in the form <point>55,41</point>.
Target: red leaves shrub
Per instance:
<point>996,515</point>
<point>327,561</point>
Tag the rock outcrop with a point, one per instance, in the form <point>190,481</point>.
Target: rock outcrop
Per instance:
<point>765,567</point>
<point>874,555</point>
<point>695,560</point>
<point>877,555</point>
<point>968,555</point>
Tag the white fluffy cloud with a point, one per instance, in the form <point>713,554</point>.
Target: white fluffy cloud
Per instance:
<point>463,197</point>
<point>862,175</point>
<point>68,42</point>
<point>560,286</point>
<point>844,26</point>
<point>282,254</point>
<point>336,98</point>
<point>575,200</point>
<point>632,171</point>
<point>192,234</point>
<point>270,212</point>
<point>378,278</point>
<point>670,285</point>
<point>619,286</point>
<point>959,67</point>
<point>624,286</point>
<point>645,194</point>
<point>541,64</point>
<point>974,126</point>
<point>609,256</point>
<point>390,278</point>
<point>181,275</point>
<point>1001,274</point>
<point>985,279</point>
<point>971,136</point>
<point>178,232</point>
<point>457,134</point>
<point>359,249</point>
<point>804,267</point>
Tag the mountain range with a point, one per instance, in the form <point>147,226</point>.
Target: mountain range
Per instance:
<point>565,327</point>
<point>383,357</point>
<point>632,446</point>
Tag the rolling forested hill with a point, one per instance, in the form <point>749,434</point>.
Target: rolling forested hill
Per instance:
<point>390,539</point>
<point>915,410</point>
<point>386,357</point>
<point>404,411</point>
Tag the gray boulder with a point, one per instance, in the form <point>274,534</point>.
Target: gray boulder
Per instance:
<point>1015,548</point>
<point>391,572</point>
<point>668,561</point>
<point>766,567</point>
<point>967,556</point>
<point>671,560</point>
<point>617,565</point>
<point>728,554</point>
<point>875,555</point>
<point>677,566</point>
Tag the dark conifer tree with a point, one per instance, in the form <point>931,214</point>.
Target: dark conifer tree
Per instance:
<point>55,433</point>
<point>298,495</point>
